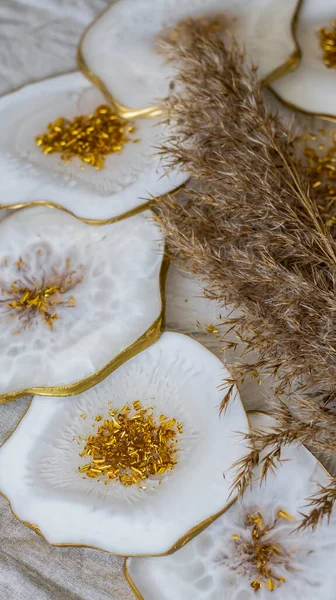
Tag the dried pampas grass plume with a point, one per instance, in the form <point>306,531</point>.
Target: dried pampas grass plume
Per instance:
<point>248,226</point>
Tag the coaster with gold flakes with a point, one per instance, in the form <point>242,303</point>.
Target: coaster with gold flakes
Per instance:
<point>62,144</point>
<point>75,300</point>
<point>254,549</point>
<point>135,464</point>
<point>120,49</point>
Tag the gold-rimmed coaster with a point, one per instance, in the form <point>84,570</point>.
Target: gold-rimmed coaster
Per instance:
<point>119,54</point>
<point>76,301</point>
<point>253,547</point>
<point>63,144</point>
<point>165,454</point>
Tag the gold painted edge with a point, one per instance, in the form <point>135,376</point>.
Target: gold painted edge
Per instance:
<point>202,526</point>
<point>96,222</point>
<point>124,112</point>
<point>120,110</point>
<point>297,61</point>
<point>149,337</point>
<point>302,111</point>
<point>147,205</point>
<point>194,532</point>
<point>293,61</point>
<point>183,540</point>
<point>130,580</point>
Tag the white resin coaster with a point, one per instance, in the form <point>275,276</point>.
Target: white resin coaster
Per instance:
<point>128,179</point>
<point>73,297</point>
<point>120,47</point>
<point>217,565</point>
<point>312,86</point>
<point>176,378</point>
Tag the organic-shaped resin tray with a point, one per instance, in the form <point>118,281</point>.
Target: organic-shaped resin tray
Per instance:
<point>75,300</point>
<point>129,178</point>
<point>217,564</point>
<point>118,52</point>
<point>181,383</point>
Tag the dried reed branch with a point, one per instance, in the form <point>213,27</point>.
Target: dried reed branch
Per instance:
<point>323,503</point>
<point>249,228</point>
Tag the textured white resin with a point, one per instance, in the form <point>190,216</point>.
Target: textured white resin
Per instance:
<point>121,46</point>
<point>207,568</point>
<point>312,86</point>
<point>116,301</point>
<point>128,179</point>
<point>177,376</point>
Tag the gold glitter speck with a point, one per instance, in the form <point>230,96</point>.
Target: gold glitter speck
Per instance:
<point>257,585</point>
<point>283,514</point>
<point>211,328</point>
<point>131,446</point>
<point>20,263</point>
<point>89,137</point>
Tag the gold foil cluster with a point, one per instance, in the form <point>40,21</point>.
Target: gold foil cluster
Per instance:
<point>261,551</point>
<point>89,137</point>
<point>320,164</point>
<point>328,45</point>
<point>41,301</point>
<point>131,446</point>
<point>28,296</point>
